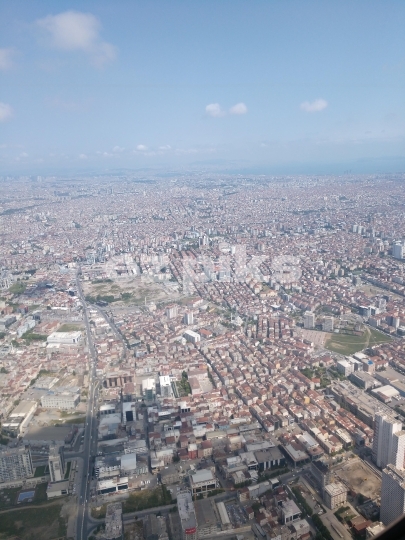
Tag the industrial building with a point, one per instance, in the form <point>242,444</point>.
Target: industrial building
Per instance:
<point>63,398</point>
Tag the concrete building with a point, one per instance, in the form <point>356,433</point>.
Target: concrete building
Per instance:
<point>57,490</point>
<point>392,494</point>
<point>189,318</point>
<point>56,463</point>
<point>327,325</point>
<point>309,320</point>
<point>149,389</point>
<point>334,495</point>
<point>165,386</point>
<point>290,512</point>
<point>385,427</point>
<point>188,518</point>
<point>64,399</point>
<point>203,481</point>
<point>191,336</point>
<point>65,338</point>
<point>398,251</point>
<point>321,472</point>
<point>208,519</point>
<point>398,450</point>
<point>16,463</point>
<point>117,378</point>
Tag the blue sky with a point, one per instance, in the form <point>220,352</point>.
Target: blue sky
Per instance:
<point>274,85</point>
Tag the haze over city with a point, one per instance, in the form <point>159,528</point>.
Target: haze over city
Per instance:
<point>202,270</point>
<point>265,86</point>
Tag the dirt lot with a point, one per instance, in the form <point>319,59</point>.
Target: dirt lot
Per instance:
<point>318,338</point>
<point>359,477</point>
<point>130,291</point>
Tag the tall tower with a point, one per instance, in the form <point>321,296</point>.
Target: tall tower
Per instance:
<point>383,443</point>
<point>392,494</point>
<point>398,450</point>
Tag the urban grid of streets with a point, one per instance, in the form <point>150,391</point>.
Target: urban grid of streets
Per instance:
<point>251,294</point>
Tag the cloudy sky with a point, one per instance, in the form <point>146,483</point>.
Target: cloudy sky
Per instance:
<point>272,85</point>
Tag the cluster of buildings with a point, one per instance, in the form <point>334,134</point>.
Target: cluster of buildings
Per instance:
<point>211,309</point>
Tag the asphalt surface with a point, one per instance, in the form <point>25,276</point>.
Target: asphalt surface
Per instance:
<point>90,432</point>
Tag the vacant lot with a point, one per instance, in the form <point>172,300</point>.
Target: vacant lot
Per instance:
<point>68,327</point>
<point>360,478</point>
<point>31,523</point>
<point>350,344</point>
<point>128,291</point>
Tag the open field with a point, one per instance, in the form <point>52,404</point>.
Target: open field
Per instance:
<point>129,291</point>
<point>30,524</point>
<point>69,327</point>
<point>350,344</point>
<point>360,478</point>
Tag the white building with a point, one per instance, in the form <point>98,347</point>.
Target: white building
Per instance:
<point>392,494</point>
<point>64,338</point>
<point>56,463</point>
<point>383,442</point>
<point>61,398</point>
<point>335,495</point>
<point>203,481</point>
<point>398,250</point>
<point>189,317</point>
<point>344,367</point>
<point>15,463</point>
<point>309,320</point>
<point>149,389</point>
<point>327,325</point>
<point>191,336</point>
<point>165,386</point>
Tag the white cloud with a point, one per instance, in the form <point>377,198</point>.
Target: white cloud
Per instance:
<point>214,109</point>
<point>165,147</point>
<point>141,148</point>
<point>239,108</point>
<point>6,112</point>
<point>117,149</point>
<point>6,61</point>
<point>314,106</point>
<point>82,156</point>
<point>75,31</point>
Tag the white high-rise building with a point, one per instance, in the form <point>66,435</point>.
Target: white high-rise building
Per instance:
<point>165,386</point>
<point>398,450</point>
<point>189,317</point>
<point>392,494</point>
<point>309,320</point>
<point>56,463</point>
<point>16,463</point>
<point>327,325</point>
<point>398,251</point>
<point>383,443</point>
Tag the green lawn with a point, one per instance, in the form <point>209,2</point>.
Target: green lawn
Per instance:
<point>350,344</point>
<point>41,471</point>
<point>142,500</point>
<point>67,327</point>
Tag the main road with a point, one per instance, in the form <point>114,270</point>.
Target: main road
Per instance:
<point>90,428</point>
